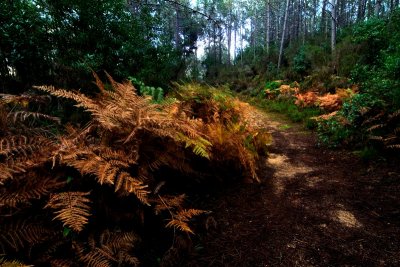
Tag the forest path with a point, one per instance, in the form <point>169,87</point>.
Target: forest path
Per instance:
<point>314,207</point>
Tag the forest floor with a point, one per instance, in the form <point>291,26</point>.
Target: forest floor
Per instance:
<point>314,207</point>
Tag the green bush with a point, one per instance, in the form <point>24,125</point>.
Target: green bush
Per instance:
<point>301,64</point>
<point>332,132</point>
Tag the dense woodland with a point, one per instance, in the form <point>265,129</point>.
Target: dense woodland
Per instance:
<point>119,118</point>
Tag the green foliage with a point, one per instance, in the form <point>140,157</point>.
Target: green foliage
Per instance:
<point>156,93</point>
<point>294,113</point>
<point>60,42</point>
<point>332,132</point>
<point>377,71</point>
<point>301,64</point>
<point>272,85</point>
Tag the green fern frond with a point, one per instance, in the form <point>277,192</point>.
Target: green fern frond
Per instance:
<point>200,146</point>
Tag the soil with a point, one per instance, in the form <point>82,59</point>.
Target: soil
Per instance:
<point>314,207</point>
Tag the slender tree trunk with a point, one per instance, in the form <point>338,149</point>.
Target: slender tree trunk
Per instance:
<point>235,42</point>
<point>277,26</point>
<point>378,7</point>
<point>177,28</point>
<point>361,10</point>
<point>229,37</point>
<point>220,44</point>
<point>323,17</point>
<point>333,31</point>
<point>267,26</point>
<point>283,34</point>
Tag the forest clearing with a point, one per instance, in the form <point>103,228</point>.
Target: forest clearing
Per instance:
<point>199,133</point>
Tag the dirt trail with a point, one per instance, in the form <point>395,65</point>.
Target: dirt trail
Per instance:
<point>314,207</point>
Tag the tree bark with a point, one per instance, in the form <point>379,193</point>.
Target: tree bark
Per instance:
<point>283,34</point>
<point>361,10</point>
<point>378,7</point>
<point>228,35</point>
<point>267,26</point>
<point>177,28</point>
<point>333,26</point>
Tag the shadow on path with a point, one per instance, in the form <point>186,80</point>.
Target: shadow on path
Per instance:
<point>314,207</point>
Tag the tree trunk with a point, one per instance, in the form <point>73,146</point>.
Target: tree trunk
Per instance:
<point>323,17</point>
<point>219,44</point>
<point>229,37</point>
<point>283,34</point>
<point>333,31</point>
<point>361,10</point>
<point>378,7</point>
<point>177,28</point>
<point>267,26</point>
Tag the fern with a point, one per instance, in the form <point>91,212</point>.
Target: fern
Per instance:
<point>22,234</point>
<point>169,203</point>
<point>132,185</point>
<point>111,247</point>
<point>13,263</point>
<point>72,208</point>
<point>19,153</point>
<point>200,145</point>
<point>24,115</point>
<point>180,219</point>
<point>27,189</point>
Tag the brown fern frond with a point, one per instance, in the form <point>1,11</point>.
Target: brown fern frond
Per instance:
<point>61,263</point>
<point>93,258</point>
<point>98,82</point>
<point>107,170</point>
<point>180,225</point>
<point>376,138</point>
<point>81,99</point>
<point>117,241</point>
<point>24,99</point>
<point>374,127</point>
<point>24,115</point>
<point>112,247</point>
<point>394,115</point>
<point>72,208</point>
<point>374,118</point>
<point>19,153</point>
<point>131,185</point>
<point>22,191</point>
<point>131,260</point>
<point>12,263</point>
<point>186,215</point>
<point>23,234</point>
<point>180,219</point>
<point>169,202</point>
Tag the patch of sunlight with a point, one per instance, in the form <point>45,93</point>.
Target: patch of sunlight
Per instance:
<point>346,218</point>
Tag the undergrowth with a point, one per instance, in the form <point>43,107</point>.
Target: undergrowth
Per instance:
<point>84,195</point>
